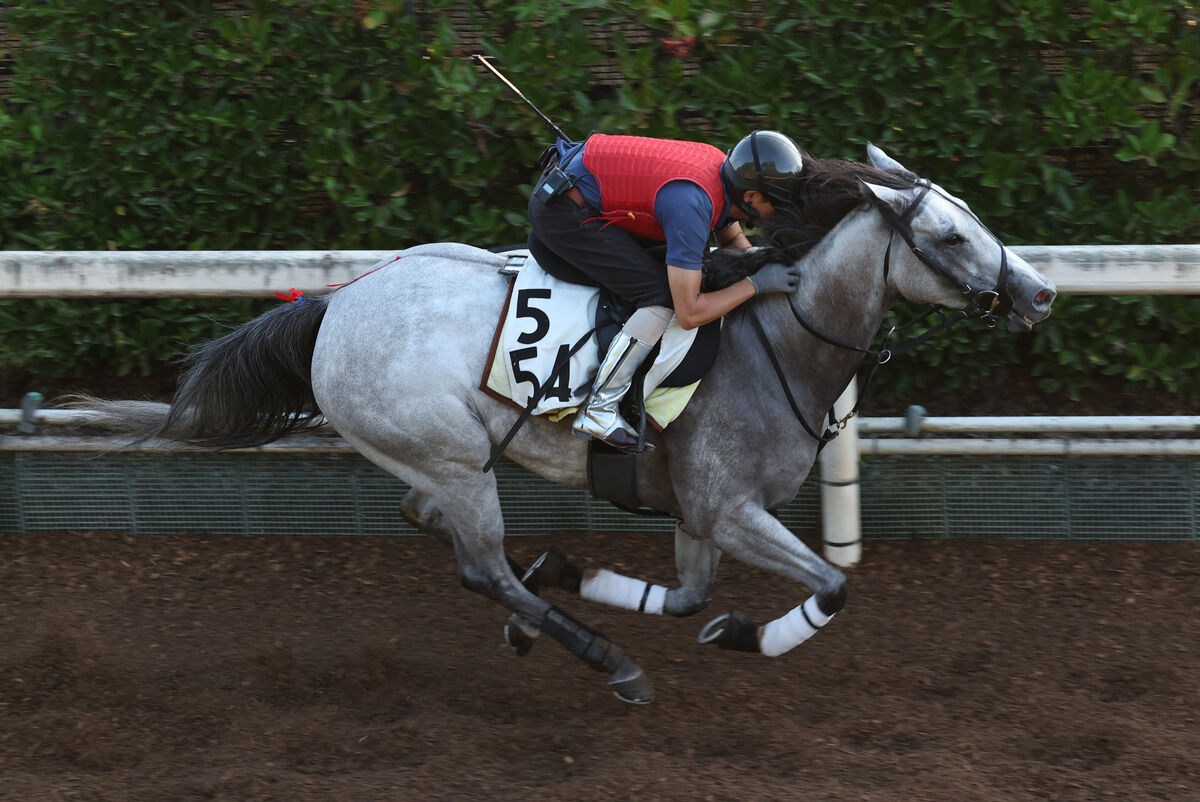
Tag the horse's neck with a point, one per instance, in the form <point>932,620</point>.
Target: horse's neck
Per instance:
<point>842,295</point>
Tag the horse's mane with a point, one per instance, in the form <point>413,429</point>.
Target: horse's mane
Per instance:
<point>828,190</point>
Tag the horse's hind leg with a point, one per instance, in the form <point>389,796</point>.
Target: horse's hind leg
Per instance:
<point>471,516</point>
<point>695,563</point>
<point>420,511</point>
<point>484,568</point>
<point>552,569</point>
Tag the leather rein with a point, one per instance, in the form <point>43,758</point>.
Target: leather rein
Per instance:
<point>988,304</point>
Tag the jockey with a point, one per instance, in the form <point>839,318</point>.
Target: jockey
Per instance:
<point>598,197</point>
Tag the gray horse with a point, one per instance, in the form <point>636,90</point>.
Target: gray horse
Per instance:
<point>393,361</point>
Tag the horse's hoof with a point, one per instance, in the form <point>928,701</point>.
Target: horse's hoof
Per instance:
<point>518,637</point>
<point>629,684</point>
<point>731,631</point>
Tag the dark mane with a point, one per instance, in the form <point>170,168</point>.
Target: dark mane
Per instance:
<point>829,190</point>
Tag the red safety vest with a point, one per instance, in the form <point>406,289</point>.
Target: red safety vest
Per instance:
<point>632,169</point>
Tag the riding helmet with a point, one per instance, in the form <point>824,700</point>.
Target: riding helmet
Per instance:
<point>766,161</point>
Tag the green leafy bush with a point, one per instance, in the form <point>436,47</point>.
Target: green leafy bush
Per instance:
<point>298,124</point>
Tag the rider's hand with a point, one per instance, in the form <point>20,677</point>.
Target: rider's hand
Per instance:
<point>775,277</point>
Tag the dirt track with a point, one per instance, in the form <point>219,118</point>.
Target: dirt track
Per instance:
<point>206,668</point>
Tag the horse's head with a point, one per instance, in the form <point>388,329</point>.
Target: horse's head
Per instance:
<point>951,258</point>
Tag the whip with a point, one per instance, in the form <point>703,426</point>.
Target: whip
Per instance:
<point>485,62</point>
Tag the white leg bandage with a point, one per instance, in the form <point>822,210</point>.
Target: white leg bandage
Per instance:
<point>625,592</point>
<point>785,634</point>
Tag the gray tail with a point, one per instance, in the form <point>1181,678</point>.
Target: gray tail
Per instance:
<point>249,387</point>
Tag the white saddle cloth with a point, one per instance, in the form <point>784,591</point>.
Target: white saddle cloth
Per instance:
<point>543,319</point>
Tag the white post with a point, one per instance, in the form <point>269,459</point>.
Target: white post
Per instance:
<point>840,498</point>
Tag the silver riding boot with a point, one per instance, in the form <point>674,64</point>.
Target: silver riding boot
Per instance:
<point>600,417</point>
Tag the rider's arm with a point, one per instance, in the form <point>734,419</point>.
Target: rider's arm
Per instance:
<point>685,212</point>
<point>694,308</point>
<point>732,236</point>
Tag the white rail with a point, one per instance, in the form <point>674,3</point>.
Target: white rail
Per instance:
<point>1048,424</point>
<point>1117,269</point>
<point>1076,269</point>
<point>169,274</point>
<point>879,436</point>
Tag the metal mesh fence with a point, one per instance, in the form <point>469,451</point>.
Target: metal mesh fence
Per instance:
<point>903,497</point>
<point>1084,498</point>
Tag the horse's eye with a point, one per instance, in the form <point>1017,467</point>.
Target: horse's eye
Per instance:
<point>954,239</point>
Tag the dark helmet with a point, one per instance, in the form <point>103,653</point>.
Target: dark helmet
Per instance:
<point>766,161</point>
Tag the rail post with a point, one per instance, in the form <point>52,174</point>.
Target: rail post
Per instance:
<point>841,530</point>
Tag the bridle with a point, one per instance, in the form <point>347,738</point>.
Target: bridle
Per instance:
<point>988,304</point>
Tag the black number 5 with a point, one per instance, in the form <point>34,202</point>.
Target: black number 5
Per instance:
<point>524,309</point>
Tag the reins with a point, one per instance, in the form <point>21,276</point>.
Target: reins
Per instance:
<point>987,303</point>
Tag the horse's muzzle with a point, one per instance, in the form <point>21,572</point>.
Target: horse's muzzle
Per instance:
<point>1033,294</point>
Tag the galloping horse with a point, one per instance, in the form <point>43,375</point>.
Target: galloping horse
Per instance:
<point>393,361</point>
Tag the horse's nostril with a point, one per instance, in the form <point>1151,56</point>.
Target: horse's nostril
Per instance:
<point>1044,297</point>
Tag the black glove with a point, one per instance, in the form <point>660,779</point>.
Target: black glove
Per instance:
<point>775,277</point>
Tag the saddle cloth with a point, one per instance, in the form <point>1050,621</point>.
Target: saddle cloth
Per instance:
<point>543,319</point>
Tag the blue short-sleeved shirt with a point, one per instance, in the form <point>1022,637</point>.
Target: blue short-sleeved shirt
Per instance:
<point>682,208</point>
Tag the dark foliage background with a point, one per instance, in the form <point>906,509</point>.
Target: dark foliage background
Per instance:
<point>326,124</point>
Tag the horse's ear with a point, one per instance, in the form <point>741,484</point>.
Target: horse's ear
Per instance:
<point>892,197</point>
<point>881,160</point>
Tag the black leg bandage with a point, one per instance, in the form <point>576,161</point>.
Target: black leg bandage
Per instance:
<point>579,639</point>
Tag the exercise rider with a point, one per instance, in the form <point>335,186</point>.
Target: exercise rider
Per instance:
<point>598,197</point>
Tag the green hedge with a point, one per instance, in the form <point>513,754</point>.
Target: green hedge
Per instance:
<point>296,124</point>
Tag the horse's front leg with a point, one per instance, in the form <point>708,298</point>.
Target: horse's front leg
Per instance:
<point>754,536</point>
<point>695,564</point>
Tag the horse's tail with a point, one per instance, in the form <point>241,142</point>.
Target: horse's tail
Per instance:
<point>249,387</point>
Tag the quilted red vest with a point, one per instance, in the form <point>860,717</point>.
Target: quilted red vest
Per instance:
<point>632,169</point>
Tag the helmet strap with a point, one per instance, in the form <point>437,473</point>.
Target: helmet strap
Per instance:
<point>749,210</point>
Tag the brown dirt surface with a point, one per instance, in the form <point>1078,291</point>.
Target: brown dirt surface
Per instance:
<point>338,668</point>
